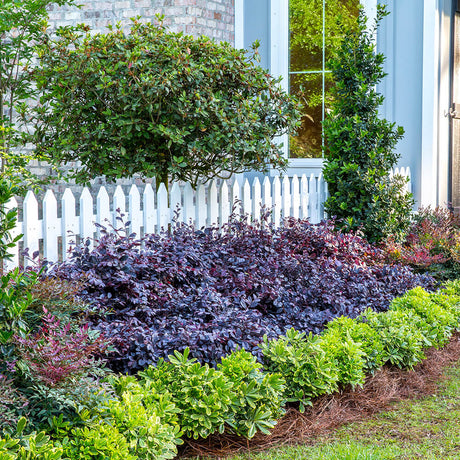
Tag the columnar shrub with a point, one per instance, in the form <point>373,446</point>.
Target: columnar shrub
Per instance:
<point>360,145</point>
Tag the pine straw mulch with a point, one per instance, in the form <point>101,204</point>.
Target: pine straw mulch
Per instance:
<point>328,412</point>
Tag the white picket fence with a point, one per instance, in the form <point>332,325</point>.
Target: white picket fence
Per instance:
<point>52,235</point>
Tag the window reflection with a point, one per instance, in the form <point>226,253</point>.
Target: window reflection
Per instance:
<point>315,28</point>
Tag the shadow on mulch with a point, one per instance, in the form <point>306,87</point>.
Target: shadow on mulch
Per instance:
<point>388,385</point>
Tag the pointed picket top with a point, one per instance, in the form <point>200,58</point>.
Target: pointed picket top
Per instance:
<point>119,206</point>
<point>13,262</point>
<point>267,201</point>
<point>213,205</point>
<point>69,222</point>
<point>189,207</point>
<point>86,216</point>
<point>286,194</point>
<point>149,214</point>
<point>247,203</point>
<point>277,201</point>
<point>103,215</point>
<point>51,230</point>
<point>236,197</point>
<point>176,203</point>
<point>304,197</point>
<point>163,208</point>
<point>224,203</point>
<point>134,211</point>
<point>256,199</point>
<point>31,228</point>
<point>201,208</point>
<point>313,200</point>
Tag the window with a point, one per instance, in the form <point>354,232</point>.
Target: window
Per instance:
<point>315,31</point>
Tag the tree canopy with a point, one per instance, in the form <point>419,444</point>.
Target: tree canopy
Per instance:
<point>158,104</point>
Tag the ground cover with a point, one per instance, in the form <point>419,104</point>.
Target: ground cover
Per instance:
<point>422,424</point>
<point>197,289</point>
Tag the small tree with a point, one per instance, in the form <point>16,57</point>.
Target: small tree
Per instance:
<point>360,145</point>
<point>158,104</point>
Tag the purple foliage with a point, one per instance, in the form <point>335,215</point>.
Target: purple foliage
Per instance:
<point>210,290</point>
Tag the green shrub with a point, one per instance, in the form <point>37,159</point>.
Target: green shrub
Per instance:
<point>440,322</point>
<point>363,334</point>
<point>300,359</point>
<point>402,335</point>
<point>203,395</point>
<point>347,354</point>
<point>259,396</point>
<point>360,145</point>
<point>33,446</point>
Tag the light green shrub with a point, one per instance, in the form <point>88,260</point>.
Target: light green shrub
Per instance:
<point>361,333</point>
<point>259,396</point>
<point>33,446</point>
<point>347,354</point>
<point>402,335</point>
<point>300,359</point>
<point>203,395</point>
<point>439,322</point>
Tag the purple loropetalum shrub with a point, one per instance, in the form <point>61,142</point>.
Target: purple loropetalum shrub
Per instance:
<point>212,290</point>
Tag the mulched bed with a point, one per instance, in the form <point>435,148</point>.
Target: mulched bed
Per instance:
<point>388,385</point>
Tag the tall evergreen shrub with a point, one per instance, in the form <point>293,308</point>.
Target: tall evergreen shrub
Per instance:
<point>360,145</point>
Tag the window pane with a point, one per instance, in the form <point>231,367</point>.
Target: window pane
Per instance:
<point>306,55</point>
<point>308,88</point>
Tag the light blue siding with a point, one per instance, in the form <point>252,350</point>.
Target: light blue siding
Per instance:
<point>257,27</point>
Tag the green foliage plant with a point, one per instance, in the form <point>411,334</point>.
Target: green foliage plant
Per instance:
<point>360,145</point>
<point>259,396</point>
<point>33,446</point>
<point>441,322</point>
<point>361,333</point>
<point>308,370</point>
<point>347,354</point>
<point>158,104</point>
<point>203,395</point>
<point>404,335</point>
<point>121,428</point>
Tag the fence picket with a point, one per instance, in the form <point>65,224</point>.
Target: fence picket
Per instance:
<point>277,201</point>
<point>295,193</point>
<point>256,199</point>
<point>224,203</point>
<point>119,206</point>
<point>267,196</point>
<point>213,205</point>
<point>304,197</point>
<point>189,207</point>
<point>236,198</point>
<point>149,214</point>
<point>210,205</point>
<point>200,208</point>
<point>86,216</point>
<point>134,208</point>
<point>176,203</point>
<point>69,222</point>
<point>31,228</point>
<point>51,229</point>
<point>247,204</point>
<point>313,199</point>
<point>163,208</point>
<point>286,197</point>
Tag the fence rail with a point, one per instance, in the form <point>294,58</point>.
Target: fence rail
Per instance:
<point>54,231</point>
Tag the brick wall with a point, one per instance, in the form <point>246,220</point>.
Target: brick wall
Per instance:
<point>213,18</point>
